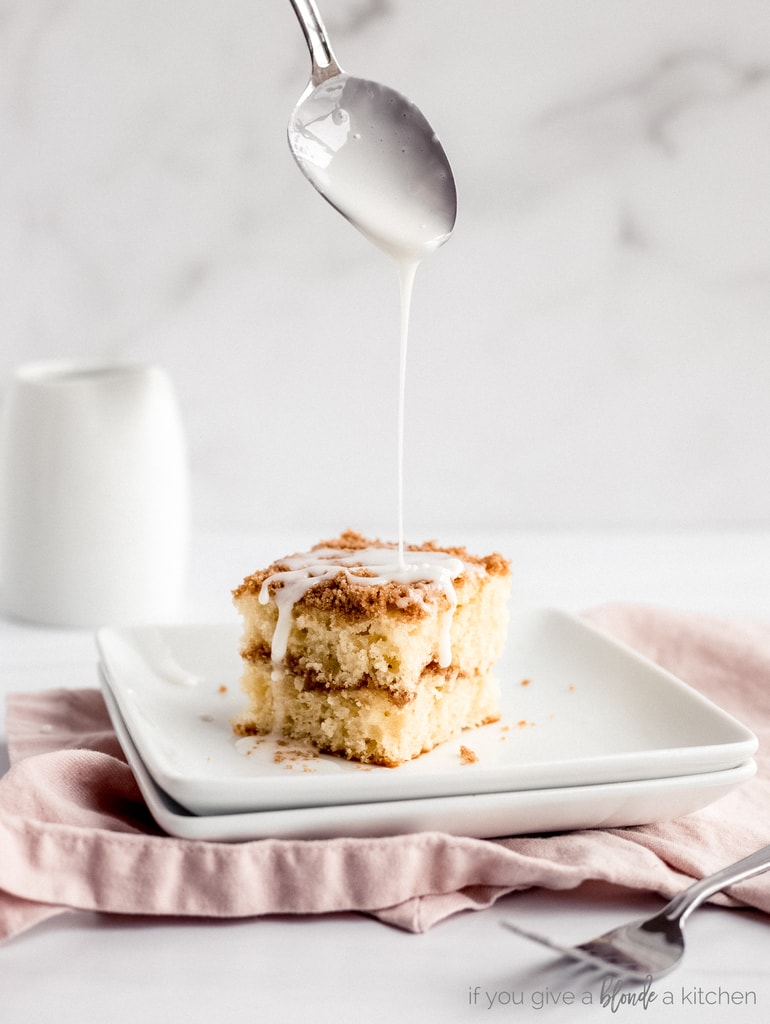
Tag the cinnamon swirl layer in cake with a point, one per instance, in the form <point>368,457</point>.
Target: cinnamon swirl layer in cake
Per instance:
<point>369,652</point>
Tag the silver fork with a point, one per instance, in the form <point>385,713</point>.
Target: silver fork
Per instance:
<point>651,948</point>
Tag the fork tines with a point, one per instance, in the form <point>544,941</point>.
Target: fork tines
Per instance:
<point>596,952</point>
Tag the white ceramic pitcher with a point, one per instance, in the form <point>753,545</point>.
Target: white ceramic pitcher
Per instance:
<point>94,495</point>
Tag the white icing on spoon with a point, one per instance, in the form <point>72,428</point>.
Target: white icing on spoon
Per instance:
<point>371,153</point>
<point>374,157</point>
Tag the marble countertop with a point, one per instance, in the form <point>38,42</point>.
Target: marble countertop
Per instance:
<point>590,348</point>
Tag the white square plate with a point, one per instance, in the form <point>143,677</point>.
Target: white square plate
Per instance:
<point>478,816</point>
<point>579,709</point>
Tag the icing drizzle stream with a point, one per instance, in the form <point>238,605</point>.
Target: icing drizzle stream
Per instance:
<point>407,270</point>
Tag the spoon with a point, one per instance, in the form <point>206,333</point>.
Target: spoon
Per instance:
<point>371,153</point>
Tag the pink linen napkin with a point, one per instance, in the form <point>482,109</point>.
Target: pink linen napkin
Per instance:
<point>76,834</point>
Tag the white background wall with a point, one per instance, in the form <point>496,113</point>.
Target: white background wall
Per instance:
<point>590,348</point>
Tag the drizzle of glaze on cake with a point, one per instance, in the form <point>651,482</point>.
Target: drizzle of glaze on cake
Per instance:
<point>371,566</point>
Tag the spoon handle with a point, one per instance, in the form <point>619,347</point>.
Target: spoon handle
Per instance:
<point>324,63</point>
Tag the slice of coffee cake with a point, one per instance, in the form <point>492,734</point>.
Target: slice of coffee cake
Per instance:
<point>372,653</point>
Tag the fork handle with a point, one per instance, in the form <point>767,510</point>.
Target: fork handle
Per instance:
<point>685,902</point>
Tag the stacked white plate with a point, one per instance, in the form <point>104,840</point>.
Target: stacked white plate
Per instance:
<point>591,736</point>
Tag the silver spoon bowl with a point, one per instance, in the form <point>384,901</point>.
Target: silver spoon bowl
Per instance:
<point>371,153</point>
